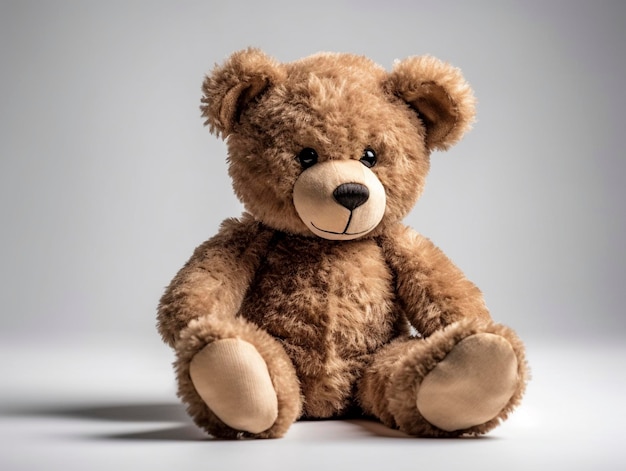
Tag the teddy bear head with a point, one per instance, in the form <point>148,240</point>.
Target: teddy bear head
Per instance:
<point>333,145</point>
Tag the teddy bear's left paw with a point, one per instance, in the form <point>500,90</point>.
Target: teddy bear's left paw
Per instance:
<point>232,378</point>
<point>471,385</point>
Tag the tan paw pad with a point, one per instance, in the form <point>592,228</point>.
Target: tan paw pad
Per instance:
<point>232,378</point>
<point>471,385</point>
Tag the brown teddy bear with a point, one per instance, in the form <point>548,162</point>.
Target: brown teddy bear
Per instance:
<point>303,307</point>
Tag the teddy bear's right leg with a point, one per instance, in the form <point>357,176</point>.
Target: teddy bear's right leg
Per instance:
<point>236,379</point>
<point>232,379</point>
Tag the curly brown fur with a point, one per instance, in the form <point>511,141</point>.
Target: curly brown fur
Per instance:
<point>330,310</point>
<point>338,114</point>
<point>432,290</point>
<point>215,279</point>
<point>390,385</point>
<point>230,88</point>
<point>330,318</point>
<point>439,94</point>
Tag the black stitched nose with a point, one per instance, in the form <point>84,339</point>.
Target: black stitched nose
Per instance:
<point>351,195</point>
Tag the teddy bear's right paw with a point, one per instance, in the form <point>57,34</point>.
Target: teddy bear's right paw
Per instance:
<point>232,378</point>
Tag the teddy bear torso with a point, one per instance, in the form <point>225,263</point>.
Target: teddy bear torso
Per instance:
<point>331,305</point>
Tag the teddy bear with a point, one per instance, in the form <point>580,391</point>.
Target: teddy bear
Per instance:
<point>318,302</point>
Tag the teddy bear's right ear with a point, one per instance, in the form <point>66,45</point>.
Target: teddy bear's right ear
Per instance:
<point>230,87</point>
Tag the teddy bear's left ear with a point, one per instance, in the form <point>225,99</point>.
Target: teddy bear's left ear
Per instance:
<point>232,86</point>
<point>438,93</point>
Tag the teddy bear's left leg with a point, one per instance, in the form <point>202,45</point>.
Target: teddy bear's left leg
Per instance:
<point>464,379</point>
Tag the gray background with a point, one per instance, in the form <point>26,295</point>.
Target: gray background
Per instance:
<point>108,179</point>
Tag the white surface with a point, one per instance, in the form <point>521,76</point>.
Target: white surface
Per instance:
<point>101,406</point>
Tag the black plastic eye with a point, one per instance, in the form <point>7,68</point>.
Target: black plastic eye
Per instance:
<point>307,157</point>
<point>368,158</point>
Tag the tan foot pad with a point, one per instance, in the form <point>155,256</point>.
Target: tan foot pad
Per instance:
<point>232,378</point>
<point>471,385</point>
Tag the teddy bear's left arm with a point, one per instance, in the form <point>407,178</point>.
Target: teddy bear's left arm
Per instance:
<point>432,291</point>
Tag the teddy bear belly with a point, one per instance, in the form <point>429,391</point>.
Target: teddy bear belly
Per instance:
<point>329,343</point>
<point>330,312</point>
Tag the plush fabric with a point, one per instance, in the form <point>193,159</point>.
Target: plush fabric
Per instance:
<point>303,307</point>
<point>232,379</point>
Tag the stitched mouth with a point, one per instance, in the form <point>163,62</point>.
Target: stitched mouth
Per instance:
<point>345,232</point>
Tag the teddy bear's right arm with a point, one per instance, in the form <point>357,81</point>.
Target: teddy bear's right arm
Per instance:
<point>215,279</point>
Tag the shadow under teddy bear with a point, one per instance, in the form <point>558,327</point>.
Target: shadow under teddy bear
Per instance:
<point>166,412</point>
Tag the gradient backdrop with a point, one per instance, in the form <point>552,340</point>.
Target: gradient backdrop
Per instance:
<point>108,179</point>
